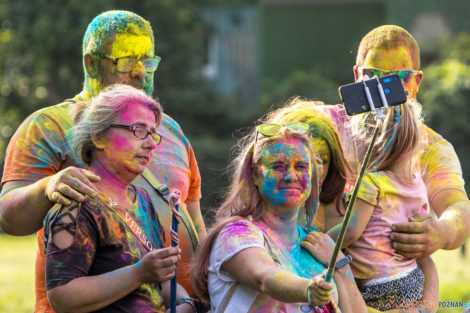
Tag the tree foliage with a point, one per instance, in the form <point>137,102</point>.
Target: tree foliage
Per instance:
<point>445,94</point>
<point>41,65</point>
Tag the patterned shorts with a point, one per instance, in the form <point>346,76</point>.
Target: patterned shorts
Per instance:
<point>395,293</point>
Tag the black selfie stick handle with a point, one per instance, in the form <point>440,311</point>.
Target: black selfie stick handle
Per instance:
<point>347,216</point>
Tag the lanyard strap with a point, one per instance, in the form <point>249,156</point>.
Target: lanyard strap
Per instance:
<point>164,192</point>
<point>130,222</point>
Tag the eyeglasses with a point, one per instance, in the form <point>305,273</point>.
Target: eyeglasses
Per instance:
<point>127,64</point>
<point>405,75</point>
<point>270,130</point>
<point>140,132</point>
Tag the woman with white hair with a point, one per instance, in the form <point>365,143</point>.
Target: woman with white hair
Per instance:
<point>106,253</point>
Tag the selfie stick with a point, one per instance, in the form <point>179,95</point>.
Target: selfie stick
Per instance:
<point>173,201</point>
<point>347,216</point>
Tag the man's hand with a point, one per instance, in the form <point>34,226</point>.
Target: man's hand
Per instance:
<point>71,183</point>
<point>420,237</point>
<point>158,265</point>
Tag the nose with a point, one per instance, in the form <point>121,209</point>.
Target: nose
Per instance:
<point>149,143</point>
<point>290,176</point>
<point>139,70</point>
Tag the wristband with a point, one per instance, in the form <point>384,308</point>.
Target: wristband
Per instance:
<point>309,294</point>
<point>343,262</point>
<point>189,301</point>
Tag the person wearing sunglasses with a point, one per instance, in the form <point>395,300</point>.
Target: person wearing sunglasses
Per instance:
<point>106,253</point>
<point>391,49</point>
<point>255,258</point>
<point>333,169</point>
<point>41,169</point>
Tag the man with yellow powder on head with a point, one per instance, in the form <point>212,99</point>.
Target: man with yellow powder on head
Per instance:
<point>40,168</point>
<point>391,49</point>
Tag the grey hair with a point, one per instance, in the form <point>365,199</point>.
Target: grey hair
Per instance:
<point>96,115</point>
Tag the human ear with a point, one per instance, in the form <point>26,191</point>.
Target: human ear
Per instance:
<point>254,176</point>
<point>356,73</point>
<point>419,77</point>
<point>98,141</point>
<point>90,65</point>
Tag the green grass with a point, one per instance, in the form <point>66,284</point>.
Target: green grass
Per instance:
<point>17,256</point>
<point>454,277</point>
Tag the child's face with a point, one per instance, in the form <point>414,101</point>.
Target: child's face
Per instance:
<point>321,148</point>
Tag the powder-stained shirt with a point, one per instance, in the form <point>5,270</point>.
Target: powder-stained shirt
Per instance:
<point>240,235</point>
<point>104,242</point>
<point>440,165</point>
<point>394,201</point>
<point>42,147</point>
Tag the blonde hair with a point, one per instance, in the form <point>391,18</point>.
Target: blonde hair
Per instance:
<point>399,135</point>
<point>388,37</point>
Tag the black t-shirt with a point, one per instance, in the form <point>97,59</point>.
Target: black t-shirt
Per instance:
<point>103,242</point>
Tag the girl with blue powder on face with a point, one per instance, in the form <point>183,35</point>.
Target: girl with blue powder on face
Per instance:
<point>253,259</point>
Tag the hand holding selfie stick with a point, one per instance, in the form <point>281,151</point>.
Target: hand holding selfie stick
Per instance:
<point>174,201</point>
<point>365,162</point>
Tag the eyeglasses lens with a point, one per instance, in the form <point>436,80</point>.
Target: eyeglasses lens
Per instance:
<point>156,137</point>
<point>128,64</point>
<point>371,72</point>
<point>298,127</point>
<point>140,132</point>
<point>268,130</point>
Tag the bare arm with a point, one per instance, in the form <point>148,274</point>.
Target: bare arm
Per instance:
<point>254,268</point>
<point>23,207</point>
<point>91,293</point>
<point>194,210</point>
<point>453,209</point>
<point>360,216</point>
<point>23,204</point>
<point>321,247</point>
<point>431,279</point>
<point>425,234</point>
<point>349,295</point>
<point>180,292</point>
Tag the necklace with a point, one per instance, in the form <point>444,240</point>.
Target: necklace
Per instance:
<point>112,203</point>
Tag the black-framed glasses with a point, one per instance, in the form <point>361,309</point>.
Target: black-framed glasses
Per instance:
<point>405,74</point>
<point>127,64</point>
<point>272,129</point>
<point>140,132</point>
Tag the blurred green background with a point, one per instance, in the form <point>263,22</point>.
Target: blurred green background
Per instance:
<point>225,63</point>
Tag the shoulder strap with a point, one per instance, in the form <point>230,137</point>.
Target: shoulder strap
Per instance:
<point>239,299</point>
<point>134,227</point>
<point>164,191</point>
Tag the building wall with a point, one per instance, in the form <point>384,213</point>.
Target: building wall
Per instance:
<point>232,63</point>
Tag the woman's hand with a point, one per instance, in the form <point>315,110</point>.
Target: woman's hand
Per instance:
<point>319,291</point>
<point>71,183</point>
<point>158,265</point>
<point>321,247</point>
